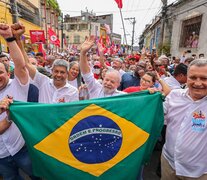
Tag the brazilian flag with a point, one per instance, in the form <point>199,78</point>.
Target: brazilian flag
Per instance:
<point>107,138</point>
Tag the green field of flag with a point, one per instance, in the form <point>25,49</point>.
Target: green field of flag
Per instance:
<point>107,138</point>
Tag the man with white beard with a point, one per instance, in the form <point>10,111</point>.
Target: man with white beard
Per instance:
<point>110,82</point>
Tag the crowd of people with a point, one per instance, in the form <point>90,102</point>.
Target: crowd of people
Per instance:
<point>91,73</point>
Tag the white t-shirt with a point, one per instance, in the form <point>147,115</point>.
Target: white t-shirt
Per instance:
<point>48,93</point>
<point>95,87</point>
<point>74,83</point>
<point>11,141</point>
<point>186,137</point>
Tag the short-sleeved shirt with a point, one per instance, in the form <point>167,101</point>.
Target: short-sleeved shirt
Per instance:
<point>48,93</point>
<point>11,141</point>
<point>95,88</point>
<point>128,80</point>
<point>186,135</point>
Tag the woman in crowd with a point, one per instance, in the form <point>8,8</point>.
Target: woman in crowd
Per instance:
<point>74,76</point>
<point>148,83</point>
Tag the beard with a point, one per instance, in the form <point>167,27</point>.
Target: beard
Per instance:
<point>108,91</point>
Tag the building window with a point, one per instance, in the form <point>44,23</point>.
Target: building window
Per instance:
<point>190,32</point>
<point>73,27</point>
<point>68,27</point>
<point>83,27</point>
<point>76,39</point>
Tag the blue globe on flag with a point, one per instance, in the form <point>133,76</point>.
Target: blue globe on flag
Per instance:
<point>95,139</point>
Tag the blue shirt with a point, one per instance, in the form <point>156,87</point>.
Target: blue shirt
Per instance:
<point>128,80</point>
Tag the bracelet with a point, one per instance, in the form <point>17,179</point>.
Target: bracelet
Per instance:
<point>10,39</point>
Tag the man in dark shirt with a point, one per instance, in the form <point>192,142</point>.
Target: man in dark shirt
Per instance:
<point>131,78</point>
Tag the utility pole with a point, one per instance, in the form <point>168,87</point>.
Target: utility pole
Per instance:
<point>14,12</point>
<point>62,31</point>
<point>123,25</point>
<point>133,21</point>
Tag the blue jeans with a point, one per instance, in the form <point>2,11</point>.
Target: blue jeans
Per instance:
<point>10,165</point>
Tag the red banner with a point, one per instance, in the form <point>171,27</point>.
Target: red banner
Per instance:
<point>53,37</point>
<point>37,36</point>
<point>119,3</point>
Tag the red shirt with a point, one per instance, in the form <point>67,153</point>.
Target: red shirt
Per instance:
<point>132,89</point>
<point>97,76</point>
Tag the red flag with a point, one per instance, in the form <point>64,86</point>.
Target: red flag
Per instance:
<point>119,3</point>
<point>53,37</point>
<point>108,41</point>
<point>42,50</point>
<point>101,40</point>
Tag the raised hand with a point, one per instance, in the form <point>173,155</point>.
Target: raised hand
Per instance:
<point>157,75</point>
<point>18,29</point>
<point>5,31</point>
<point>89,42</point>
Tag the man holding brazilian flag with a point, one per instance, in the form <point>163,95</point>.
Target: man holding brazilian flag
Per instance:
<point>107,138</point>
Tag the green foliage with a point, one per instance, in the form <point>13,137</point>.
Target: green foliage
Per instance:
<point>164,48</point>
<point>54,5</point>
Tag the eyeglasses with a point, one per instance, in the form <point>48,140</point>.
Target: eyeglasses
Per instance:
<point>145,80</point>
<point>158,65</point>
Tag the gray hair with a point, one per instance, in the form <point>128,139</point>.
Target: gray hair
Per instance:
<point>163,57</point>
<point>61,62</point>
<point>6,66</point>
<point>71,64</point>
<point>198,63</point>
<point>117,59</point>
<point>115,72</point>
<point>50,57</point>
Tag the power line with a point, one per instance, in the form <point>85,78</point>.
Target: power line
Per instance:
<point>127,5</point>
<point>138,3</point>
<point>135,10</point>
<point>132,4</point>
<point>203,3</point>
<point>145,16</point>
<point>160,8</point>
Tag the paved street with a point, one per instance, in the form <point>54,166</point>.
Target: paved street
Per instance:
<point>150,168</point>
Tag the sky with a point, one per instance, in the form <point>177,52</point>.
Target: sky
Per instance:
<point>143,11</point>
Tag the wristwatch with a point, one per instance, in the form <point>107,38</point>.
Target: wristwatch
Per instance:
<point>10,39</point>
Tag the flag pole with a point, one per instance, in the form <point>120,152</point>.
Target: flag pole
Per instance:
<point>123,25</point>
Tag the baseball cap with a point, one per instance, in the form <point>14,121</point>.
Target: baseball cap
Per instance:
<point>97,64</point>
